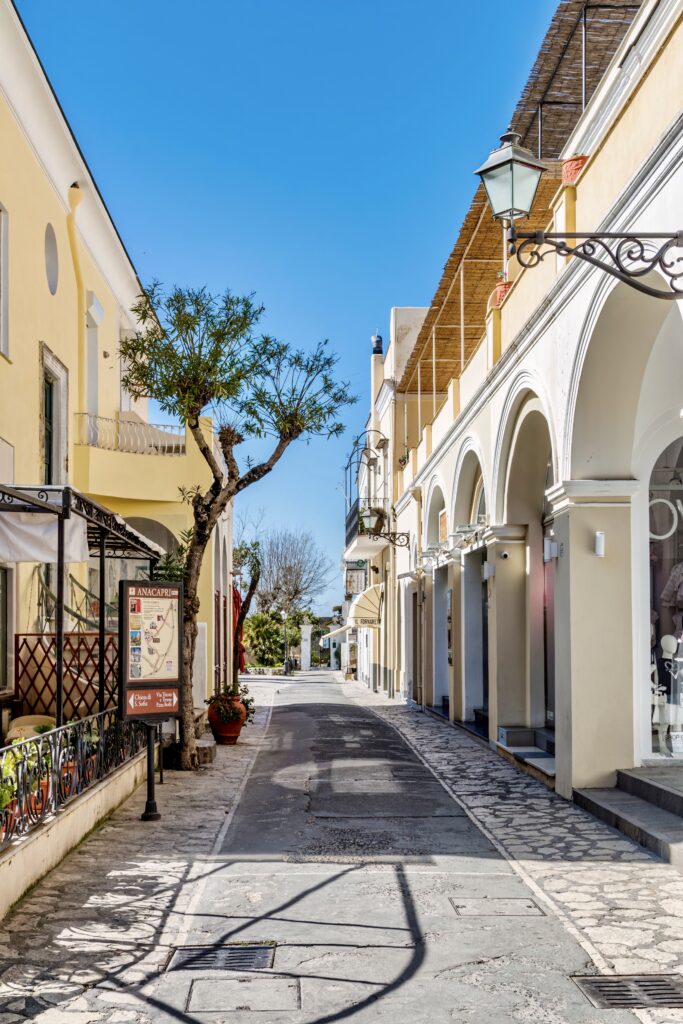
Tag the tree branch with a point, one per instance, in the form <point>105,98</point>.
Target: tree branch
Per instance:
<point>260,470</point>
<point>205,449</point>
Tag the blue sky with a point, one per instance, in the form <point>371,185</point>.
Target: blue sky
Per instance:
<point>317,152</point>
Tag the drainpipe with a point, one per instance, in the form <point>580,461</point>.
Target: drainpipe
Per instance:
<point>75,197</point>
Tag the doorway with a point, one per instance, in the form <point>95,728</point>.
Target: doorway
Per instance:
<point>475,628</point>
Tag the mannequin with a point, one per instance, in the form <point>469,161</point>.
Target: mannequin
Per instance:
<point>667,709</point>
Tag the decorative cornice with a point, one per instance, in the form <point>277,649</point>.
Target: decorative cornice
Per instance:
<point>571,493</point>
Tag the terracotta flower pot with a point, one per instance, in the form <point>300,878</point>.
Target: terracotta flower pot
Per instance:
<point>227,732</point>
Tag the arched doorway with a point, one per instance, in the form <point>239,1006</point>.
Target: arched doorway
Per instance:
<point>471,654</point>
<point>441,602</point>
<point>625,433</point>
<point>529,477</point>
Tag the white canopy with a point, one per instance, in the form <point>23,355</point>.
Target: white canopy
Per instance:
<point>32,537</point>
<point>365,611</point>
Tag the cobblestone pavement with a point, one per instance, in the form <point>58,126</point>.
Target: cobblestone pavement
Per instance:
<point>315,857</point>
<point>624,905</point>
<point>99,924</point>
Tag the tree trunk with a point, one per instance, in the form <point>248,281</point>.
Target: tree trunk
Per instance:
<point>188,743</point>
<point>241,619</point>
<point>193,565</point>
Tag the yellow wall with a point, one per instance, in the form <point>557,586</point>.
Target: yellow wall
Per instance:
<point>132,484</point>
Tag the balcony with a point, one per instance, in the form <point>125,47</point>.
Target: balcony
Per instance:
<point>129,435</point>
<point>123,457</point>
<point>360,545</point>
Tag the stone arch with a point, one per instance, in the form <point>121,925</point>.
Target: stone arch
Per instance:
<point>155,531</point>
<point>524,389</point>
<point>618,339</point>
<point>435,504</point>
<point>468,470</point>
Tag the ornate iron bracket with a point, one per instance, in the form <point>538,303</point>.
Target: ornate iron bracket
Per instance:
<point>399,540</point>
<point>628,257</point>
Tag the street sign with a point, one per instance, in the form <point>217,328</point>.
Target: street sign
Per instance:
<point>150,649</point>
<point>152,701</point>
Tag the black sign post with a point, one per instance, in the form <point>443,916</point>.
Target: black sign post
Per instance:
<point>150,662</point>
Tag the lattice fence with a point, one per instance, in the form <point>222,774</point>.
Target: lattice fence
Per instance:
<point>35,676</point>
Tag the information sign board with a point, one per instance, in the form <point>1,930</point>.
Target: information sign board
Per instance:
<point>150,649</point>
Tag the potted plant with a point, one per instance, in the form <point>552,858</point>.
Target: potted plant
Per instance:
<point>229,711</point>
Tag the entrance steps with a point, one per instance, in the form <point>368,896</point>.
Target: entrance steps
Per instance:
<point>646,805</point>
<point>533,749</point>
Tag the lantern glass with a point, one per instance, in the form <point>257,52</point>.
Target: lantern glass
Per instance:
<point>511,176</point>
<point>370,520</point>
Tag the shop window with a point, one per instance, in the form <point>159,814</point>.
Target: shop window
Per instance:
<point>666,604</point>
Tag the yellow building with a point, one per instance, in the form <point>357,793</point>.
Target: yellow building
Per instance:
<point>67,285</point>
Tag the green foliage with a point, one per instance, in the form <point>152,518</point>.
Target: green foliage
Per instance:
<point>263,638</point>
<point>7,787</point>
<point>171,568</point>
<point>225,705</point>
<point>246,559</point>
<point>40,729</point>
<point>194,350</point>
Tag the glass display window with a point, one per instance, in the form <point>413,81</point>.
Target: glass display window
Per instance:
<point>666,601</point>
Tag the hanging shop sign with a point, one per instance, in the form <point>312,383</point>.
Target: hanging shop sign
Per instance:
<point>150,649</point>
<point>355,581</point>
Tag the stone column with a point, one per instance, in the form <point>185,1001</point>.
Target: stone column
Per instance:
<point>306,630</point>
<point>594,672</point>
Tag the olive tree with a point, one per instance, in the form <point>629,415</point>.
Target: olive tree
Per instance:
<point>196,352</point>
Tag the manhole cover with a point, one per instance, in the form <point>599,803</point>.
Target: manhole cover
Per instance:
<point>514,906</point>
<point>234,957</point>
<point>235,995</point>
<point>633,992</point>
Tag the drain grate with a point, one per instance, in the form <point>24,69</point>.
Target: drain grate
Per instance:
<point>230,957</point>
<point>633,992</point>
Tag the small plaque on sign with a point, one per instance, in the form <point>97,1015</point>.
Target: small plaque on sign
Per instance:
<point>150,649</point>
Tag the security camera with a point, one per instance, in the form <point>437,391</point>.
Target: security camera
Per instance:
<point>505,554</point>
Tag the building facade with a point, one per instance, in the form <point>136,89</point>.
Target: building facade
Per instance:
<point>67,286</point>
<point>532,420</point>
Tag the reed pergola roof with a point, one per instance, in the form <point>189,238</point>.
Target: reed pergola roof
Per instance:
<point>578,47</point>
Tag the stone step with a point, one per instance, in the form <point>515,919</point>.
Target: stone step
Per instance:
<point>654,828</point>
<point>662,787</point>
<point>545,739</point>
<point>206,749</point>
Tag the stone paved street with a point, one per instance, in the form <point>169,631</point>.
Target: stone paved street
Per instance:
<point>391,894</point>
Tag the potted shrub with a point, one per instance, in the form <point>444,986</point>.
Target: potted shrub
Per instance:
<point>229,711</point>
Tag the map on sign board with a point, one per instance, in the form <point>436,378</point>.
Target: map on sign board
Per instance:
<point>150,645</point>
<point>152,634</point>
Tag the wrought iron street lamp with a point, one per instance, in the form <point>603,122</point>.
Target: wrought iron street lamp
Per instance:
<point>372,520</point>
<point>511,176</point>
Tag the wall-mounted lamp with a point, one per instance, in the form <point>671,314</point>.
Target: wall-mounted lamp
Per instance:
<point>600,543</point>
<point>549,549</point>
<point>511,176</point>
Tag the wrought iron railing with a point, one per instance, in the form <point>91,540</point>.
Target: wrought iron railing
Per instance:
<point>352,522</point>
<point>123,435</point>
<point>40,775</point>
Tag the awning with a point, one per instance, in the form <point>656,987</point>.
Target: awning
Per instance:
<point>365,611</point>
<point>32,537</point>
